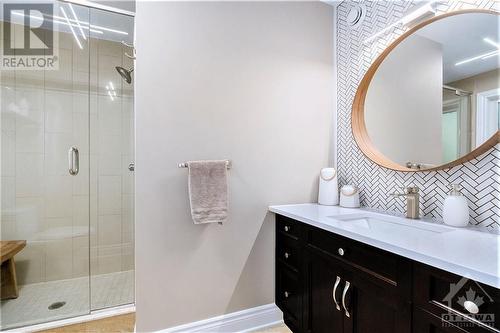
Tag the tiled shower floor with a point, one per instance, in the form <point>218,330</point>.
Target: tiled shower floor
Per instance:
<point>31,307</point>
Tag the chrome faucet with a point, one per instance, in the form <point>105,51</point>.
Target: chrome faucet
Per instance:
<point>412,201</point>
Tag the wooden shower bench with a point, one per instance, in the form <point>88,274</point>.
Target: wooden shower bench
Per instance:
<point>8,249</point>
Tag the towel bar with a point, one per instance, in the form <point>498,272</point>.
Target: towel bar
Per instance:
<point>185,164</point>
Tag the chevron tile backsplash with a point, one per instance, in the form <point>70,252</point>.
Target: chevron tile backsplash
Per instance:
<point>479,177</point>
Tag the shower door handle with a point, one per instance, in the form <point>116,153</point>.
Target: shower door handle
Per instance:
<point>73,160</point>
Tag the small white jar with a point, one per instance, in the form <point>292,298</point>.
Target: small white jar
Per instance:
<point>349,196</point>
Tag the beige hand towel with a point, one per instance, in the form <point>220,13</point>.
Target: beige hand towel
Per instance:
<point>208,191</point>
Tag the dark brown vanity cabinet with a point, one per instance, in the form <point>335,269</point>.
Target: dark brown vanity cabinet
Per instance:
<point>326,283</point>
<point>353,288</point>
<point>289,289</point>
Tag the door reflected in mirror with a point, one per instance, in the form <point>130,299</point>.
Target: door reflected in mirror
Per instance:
<point>436,96</point>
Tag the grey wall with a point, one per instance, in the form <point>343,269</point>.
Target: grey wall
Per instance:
<point>396,109</point>
<point>480,177</point>
<point>251,82</point>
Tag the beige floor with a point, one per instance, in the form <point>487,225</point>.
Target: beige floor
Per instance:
<point>125,324</point>
<point>122,324</point>
<point>277,329</point>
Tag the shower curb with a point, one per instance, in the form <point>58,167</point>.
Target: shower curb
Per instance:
<point>94,315</point>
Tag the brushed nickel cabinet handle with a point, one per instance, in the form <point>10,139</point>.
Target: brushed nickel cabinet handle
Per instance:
<point>287,255</point>
<point>341,251</point>
<point>287,228</point>
<point>74,161</point>
<point>334,292</point>
<point>287,294</point>
<point>471,307</point>
<point>344,293</point>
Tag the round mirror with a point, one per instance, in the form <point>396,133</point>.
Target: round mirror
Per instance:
<point>432,98</point>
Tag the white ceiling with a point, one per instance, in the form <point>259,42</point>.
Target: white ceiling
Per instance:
<point>462,37</point>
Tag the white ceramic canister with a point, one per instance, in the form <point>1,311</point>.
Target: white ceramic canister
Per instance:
<point>349,196</point>
<point>328,193</point>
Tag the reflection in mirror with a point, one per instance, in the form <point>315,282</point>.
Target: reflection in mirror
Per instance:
<point>436,96</point>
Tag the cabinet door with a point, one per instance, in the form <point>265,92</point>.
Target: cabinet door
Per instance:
<point>370,306</point>
<point>325,284</point>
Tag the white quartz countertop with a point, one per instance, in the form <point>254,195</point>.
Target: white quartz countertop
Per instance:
<point>465,252</point>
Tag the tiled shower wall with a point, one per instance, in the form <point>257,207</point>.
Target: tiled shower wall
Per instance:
<point>43,114</point>
<point>479,177</point>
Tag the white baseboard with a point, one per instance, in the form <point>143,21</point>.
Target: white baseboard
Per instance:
<point>248,320</point>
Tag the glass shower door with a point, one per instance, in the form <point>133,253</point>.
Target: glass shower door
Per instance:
<point>450,136</point>
<point>112,157</point>
<point>45,166</point>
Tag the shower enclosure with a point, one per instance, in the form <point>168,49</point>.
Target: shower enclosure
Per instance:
<point>456,123</point>
<point>67,153</point>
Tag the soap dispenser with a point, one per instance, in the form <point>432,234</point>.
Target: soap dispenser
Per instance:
<point>456,208</point>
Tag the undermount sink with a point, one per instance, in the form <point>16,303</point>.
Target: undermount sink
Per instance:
<point>373,222</point>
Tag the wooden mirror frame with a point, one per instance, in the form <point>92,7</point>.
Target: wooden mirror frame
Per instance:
<point>358,108</point>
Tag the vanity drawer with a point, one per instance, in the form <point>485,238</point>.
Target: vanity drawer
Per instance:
<point>385,268</point>
<point>442,293</point>
<point>287,251</point>
<point>288,293</point>
<point>424,322</point>
<point>287,226</point>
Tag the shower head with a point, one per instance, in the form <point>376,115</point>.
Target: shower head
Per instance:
<point>125,73</point>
